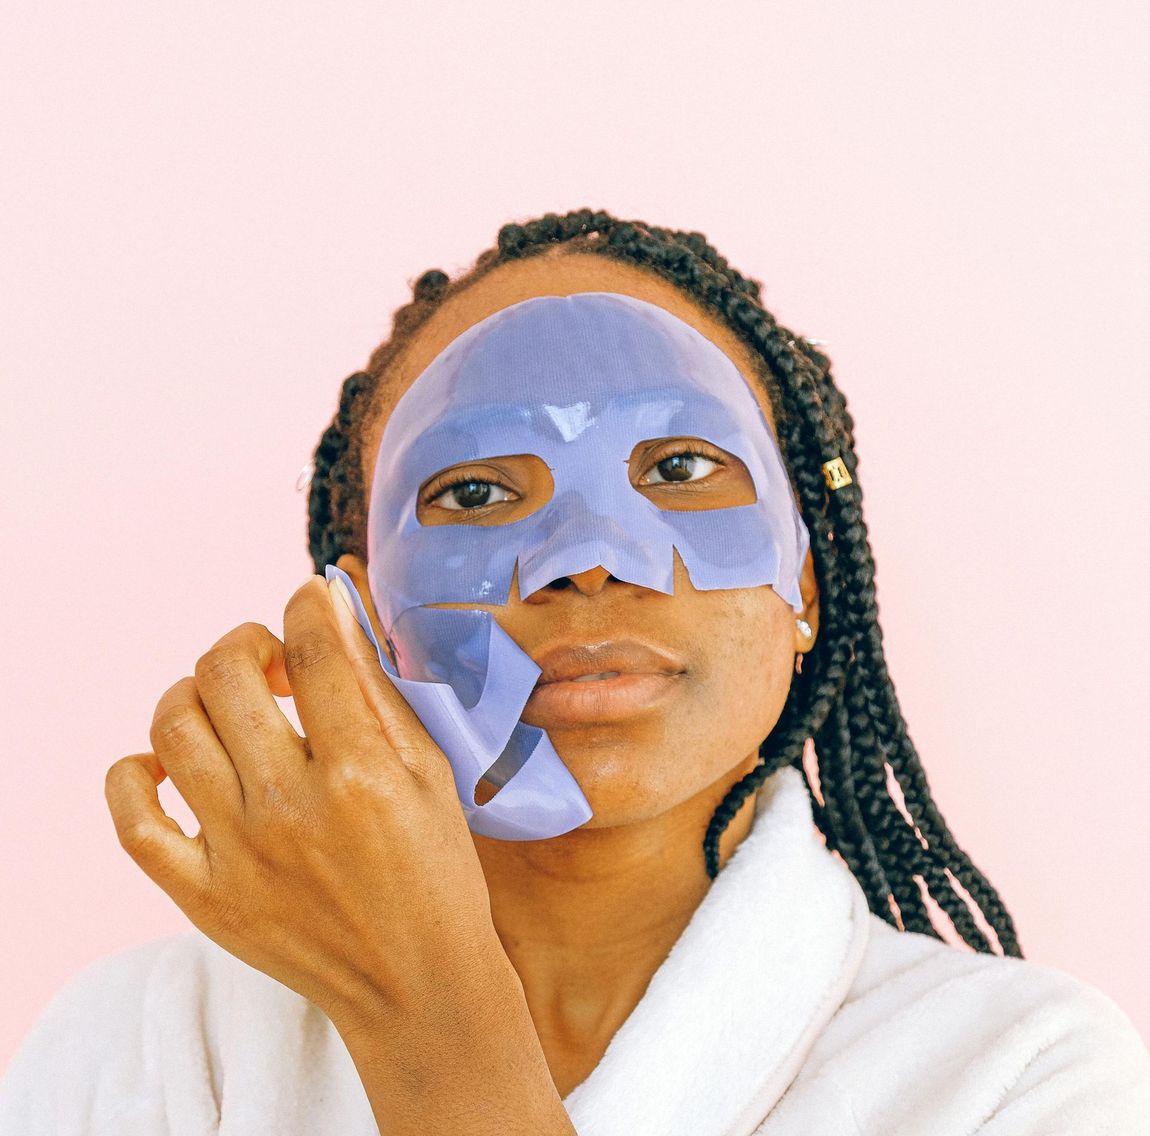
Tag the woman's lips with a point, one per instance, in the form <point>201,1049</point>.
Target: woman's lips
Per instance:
<point>571,702</point>
<point>600,682</point>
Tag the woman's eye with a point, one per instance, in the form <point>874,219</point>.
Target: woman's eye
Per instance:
<point>680,467</point>
<point>470,494</point>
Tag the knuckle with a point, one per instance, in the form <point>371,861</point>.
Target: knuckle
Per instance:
<point>254,636</point>
<point>119,779</point>
<point>116,771</point>
<point>253,630</point>
<point>219,666</point>
<point>349,777</point>
<point>174,729</point>
<point>307,651</point>
<point>138,838</point>
<point>281,802</point>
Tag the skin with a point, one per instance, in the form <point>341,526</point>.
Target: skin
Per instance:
<point>586,918</point>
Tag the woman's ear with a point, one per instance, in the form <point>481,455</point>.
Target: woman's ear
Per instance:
<point>809,589</point>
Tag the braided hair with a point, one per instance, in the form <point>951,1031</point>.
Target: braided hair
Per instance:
<point>872,802</point>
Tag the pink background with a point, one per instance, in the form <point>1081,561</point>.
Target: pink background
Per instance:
<point>210,211</point>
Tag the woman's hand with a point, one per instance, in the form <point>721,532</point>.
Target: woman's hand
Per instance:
<point>339,863</point>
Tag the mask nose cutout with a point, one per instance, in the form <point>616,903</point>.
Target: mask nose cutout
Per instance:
<point>588,582</point>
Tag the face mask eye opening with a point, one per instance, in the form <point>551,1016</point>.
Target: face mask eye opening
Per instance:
<point>489,491</point>
<point>689,473</point>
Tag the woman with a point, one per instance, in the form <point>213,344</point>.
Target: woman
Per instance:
<point>534,867</point>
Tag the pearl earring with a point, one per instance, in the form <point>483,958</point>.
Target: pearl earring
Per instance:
<point>804,627</point>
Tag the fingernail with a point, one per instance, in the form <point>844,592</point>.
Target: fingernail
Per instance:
<point>336,587</point>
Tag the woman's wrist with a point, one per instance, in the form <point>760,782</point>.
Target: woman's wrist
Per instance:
<point>462,1055</point>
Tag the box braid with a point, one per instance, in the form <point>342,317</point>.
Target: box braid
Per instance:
<point>842,701</point>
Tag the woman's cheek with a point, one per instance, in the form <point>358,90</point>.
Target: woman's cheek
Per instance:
<point>756,657</point>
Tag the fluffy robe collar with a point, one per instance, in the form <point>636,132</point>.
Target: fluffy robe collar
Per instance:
<point>728,1018</point>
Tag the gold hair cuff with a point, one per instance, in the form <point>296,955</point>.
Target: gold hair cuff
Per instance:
<point>836,473</point>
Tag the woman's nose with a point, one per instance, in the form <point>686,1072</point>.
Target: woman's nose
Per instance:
<point>589,583</point>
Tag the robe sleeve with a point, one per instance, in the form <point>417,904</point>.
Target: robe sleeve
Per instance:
<point>1093,1077</point>
<point>83,1069</point>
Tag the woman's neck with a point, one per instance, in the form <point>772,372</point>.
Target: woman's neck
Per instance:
<point>587,918</point>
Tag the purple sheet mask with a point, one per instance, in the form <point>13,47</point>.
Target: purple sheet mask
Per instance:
<point>578,381</point>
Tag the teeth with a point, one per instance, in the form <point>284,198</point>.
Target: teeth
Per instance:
<point>601,674</point>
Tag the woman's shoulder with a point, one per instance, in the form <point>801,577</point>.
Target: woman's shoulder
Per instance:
<point>120,988</point>
<point>136,1033</point>
<point>908,967</point>
<point>111,989</point>
<point>1002,1045</point>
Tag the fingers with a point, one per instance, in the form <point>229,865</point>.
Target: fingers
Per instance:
<point>233,687</point>
<point>331,708</point>
<point>399,722</point>
<point>188,748</point>
<point>152,838</point>
<point>341,692</point>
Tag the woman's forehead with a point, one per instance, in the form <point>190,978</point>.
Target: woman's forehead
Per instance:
<point>557,275</point>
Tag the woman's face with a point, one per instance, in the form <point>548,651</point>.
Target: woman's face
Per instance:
<point>713,668</point>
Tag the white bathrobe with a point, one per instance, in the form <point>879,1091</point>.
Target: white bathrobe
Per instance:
<point>785,1007</point>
